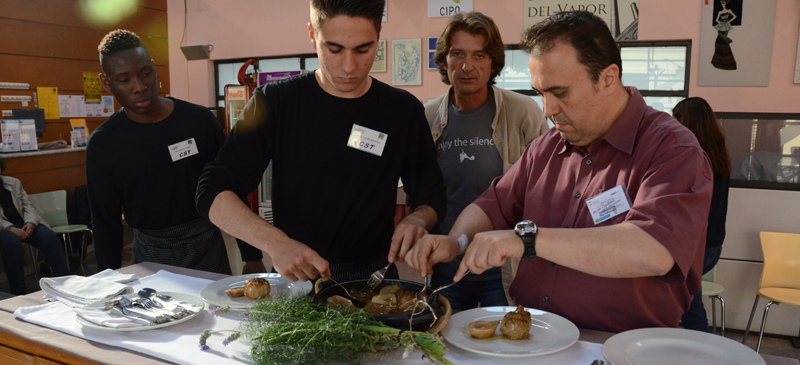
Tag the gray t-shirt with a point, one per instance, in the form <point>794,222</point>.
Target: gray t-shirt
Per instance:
<point>469,161</point>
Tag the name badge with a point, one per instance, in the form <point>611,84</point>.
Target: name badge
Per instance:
<point>182,150</point>
<point>609,204</point>
<point>367,140</point>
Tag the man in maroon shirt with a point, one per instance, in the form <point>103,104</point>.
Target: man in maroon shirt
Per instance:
<point>620,193</point>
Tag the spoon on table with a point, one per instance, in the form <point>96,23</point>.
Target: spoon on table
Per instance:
<point>160,299</point>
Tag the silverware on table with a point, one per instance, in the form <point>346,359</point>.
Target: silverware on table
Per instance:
<point>120,312</point>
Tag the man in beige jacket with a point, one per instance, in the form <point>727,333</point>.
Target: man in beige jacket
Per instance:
<point>480,131</point>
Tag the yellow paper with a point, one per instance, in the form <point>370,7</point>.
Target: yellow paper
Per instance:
<point>91,87</point>
<point>79,123</point>
<point>48,100</point>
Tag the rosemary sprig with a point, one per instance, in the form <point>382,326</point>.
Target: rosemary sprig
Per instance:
<point>291,330</point>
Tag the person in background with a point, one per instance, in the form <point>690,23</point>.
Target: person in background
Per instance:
<point>608,208</point>
<point>145,160</point>
<point>695,113</point>
<point>498,124</point>
<point>339,141</point>
<point>20,223</point>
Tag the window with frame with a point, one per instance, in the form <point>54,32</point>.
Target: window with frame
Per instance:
<point>659,69</point>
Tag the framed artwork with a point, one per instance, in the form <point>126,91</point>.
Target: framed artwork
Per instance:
<point>407,62</point>
<point>379,65</point>
<point>797,65</point>
<point>736,42</point>
<point>622,16</point>
<point>431,50</point>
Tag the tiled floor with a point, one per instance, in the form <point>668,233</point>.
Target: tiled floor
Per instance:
<point>779,346</point>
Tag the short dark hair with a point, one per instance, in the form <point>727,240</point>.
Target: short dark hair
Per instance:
<point>372,10</point>
<point>473,23</point>
<point>116,41</point>
<point>584,31</point>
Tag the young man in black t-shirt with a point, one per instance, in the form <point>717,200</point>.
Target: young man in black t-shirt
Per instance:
<point>338,140</point>
<point>145,161</point>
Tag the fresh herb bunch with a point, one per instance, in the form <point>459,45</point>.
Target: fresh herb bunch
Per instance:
<point>292,330</point>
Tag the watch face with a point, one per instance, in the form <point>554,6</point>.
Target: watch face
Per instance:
<point>525,228</point>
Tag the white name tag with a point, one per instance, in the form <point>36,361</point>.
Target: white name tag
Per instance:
<point>367,140</point>
<point>609,204</point>
<point>182,150</point>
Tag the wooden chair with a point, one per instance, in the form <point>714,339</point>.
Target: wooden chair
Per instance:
<point>52,207</point>
<point>780,277</point>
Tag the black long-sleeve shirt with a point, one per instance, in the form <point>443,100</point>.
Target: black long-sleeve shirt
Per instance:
<point>718,213</point>
<point>336,199</point>
<point>129,168</point>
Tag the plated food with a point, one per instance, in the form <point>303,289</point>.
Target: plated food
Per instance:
<point>548,332</point>
<point>515,325</point>
<point>254,288</point>
<point>214,293</point>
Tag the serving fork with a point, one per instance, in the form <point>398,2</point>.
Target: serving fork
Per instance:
<point>377,277</point>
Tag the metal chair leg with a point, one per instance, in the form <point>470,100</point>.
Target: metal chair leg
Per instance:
<point>35,263</point>
<point>713,315</point>
<point>722,308</point>
<point>764,324</point>
<point>67,249</point>
<point>83,248</point>
<point>749,322</point>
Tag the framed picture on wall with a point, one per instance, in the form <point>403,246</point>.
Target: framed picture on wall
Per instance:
<point>407,62</point>
<point>797,65</point>
<point>431,50</point>
<point>736,42</point>
<point>379,65</point>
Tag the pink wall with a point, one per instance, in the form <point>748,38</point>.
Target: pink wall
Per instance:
<point>680,19</point>
<point>257,28</point>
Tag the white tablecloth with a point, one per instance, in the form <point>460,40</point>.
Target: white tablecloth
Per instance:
<point>179,343</point>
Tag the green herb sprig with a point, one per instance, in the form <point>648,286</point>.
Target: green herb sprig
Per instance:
<point>292,330</point>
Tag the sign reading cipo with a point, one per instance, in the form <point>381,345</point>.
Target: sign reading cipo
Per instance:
<point>446,8</point>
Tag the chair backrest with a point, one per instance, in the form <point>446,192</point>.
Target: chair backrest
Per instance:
<point>710,275</point>
<point>781,260</point>
<point>51,206</point>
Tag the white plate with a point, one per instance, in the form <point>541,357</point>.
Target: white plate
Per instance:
<point>178,297</point>
<point>549,333</point>
<point>671,346</point>
<point>214,293</point>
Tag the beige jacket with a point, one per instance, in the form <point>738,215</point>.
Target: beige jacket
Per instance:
<point>518,122</point>
<point>24,206</point>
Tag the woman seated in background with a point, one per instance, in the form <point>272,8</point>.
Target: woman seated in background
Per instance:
<point>19,223</point>
<point>695,113</point>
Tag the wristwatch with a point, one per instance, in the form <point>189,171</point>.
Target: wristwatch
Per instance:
<point>526,230</point>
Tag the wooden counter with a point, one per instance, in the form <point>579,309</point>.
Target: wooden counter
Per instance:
<point>47,170</point>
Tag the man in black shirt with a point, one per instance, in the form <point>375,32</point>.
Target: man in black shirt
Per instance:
<point>338,140</point>
<point>145,160</point>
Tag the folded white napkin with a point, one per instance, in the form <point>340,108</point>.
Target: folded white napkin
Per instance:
<point>78,291</point>
<point>107,274</point>
<point>106,319</point>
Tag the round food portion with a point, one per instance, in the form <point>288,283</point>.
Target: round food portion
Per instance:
<point>482,329</point>
<point>256,288</point>
<point>517,324</point>
<point>235,292</point>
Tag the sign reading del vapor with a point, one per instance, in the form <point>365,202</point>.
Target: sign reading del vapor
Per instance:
<point>446,8</point>
<point>622,16</point>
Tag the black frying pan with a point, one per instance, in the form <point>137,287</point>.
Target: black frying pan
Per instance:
<point>420,322</point>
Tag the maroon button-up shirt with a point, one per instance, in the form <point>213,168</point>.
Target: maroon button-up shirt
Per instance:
<point>669,180</point>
